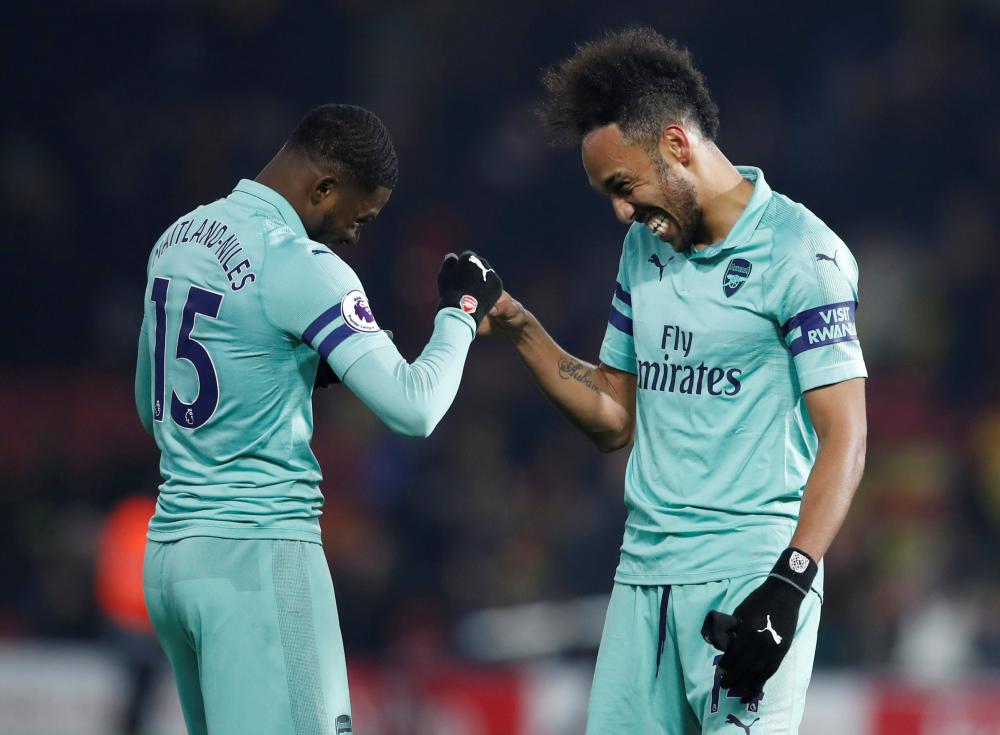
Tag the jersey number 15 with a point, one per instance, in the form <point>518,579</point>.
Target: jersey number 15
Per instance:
<point>199,301</point>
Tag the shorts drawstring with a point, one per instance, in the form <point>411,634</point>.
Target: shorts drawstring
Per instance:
<point>662,639</point>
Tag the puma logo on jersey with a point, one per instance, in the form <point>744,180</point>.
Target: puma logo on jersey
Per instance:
<point>772,631</point>
<point>822,256</point>
<point>734,720</point>
<point>480,265</point>
<point>655,260</point>
<point>321,252</point>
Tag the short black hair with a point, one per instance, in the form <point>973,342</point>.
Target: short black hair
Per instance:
<point>633,77</point>
<point>351,139</point>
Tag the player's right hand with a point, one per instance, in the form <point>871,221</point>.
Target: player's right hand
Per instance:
<point>468,282</point>
<point>507,318</point>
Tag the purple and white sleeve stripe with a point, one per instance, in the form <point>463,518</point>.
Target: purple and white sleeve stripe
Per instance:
<point>320,323</point>
<point>617,319</point>
<point>624,296</point>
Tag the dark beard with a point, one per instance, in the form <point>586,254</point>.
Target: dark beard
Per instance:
<point>329,233</point>
<point>684,203</point>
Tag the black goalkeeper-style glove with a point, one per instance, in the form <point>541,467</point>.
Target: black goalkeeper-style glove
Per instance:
<point>468,282</point>
<point>759,633</point>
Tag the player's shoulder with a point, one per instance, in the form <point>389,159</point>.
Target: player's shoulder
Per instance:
<point>797,233</point>
<point>273,230</point>
<point>305,252</point>
<point>178,231</point>
<point>300,262</point>
<point>802,243</point>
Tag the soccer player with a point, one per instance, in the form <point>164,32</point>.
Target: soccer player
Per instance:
<point>732,361</point>
<point>244,299</point>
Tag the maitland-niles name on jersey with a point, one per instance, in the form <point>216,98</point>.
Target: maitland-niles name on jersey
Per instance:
<point>211,236</point>
<point>675,377</point>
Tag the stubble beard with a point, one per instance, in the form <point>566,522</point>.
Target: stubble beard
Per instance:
<point>684,204</point>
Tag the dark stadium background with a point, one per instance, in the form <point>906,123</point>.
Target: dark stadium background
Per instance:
<point>883,118</point>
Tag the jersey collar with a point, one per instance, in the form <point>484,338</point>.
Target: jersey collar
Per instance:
<point>267,195</point>
<point>747,223</point>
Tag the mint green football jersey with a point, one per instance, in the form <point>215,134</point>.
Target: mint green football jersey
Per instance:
<point>240,307</point>
<point>723,343</point>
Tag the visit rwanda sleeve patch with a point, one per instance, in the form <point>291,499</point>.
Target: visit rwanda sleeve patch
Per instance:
<point>822,326</point>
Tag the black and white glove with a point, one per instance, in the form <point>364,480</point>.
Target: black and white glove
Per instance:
<point>468,282</point>
<point>759,633</point>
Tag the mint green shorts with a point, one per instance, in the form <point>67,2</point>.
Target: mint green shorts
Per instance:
<point>251,631</point>
<point>636,690</point>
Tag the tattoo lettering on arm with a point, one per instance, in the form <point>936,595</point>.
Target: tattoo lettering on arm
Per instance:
<point>573,370</point>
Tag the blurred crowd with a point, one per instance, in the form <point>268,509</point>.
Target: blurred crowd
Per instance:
<point>882,118</point>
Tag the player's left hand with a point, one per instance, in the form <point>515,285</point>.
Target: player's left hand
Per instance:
<point>507,318</point>
<point>759,633</point>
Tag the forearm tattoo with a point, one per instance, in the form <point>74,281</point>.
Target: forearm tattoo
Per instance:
<point>573,370</point>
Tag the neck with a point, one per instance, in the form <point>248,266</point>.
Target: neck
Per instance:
<point>723,194</point>
<point>280,174</point>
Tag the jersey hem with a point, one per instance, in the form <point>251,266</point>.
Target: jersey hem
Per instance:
<point>653,579</point>
<point>619,361</point>
<point>280,534</point>
<point>831,375</point>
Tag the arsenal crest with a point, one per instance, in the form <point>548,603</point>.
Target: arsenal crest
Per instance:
<point>737,273</point>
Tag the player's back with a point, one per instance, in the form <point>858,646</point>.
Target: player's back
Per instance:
<point>231,391</point>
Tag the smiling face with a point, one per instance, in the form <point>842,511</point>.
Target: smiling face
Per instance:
<point>657,191</point>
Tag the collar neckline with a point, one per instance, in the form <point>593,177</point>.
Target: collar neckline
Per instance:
<point>745,226</point>
<point>269,196</point>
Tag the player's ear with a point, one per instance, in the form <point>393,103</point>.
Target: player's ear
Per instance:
<point>676,143</point>
<point>324,187</point>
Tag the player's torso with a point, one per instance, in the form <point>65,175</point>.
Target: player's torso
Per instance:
<point>723,442</point>
<point>717,404</point>
<point>708,350</point>
<point>231,393</point>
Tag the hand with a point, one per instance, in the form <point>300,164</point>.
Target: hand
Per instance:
<point>507,318</point>
<point>468,282</point>
<point>759,633</point>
